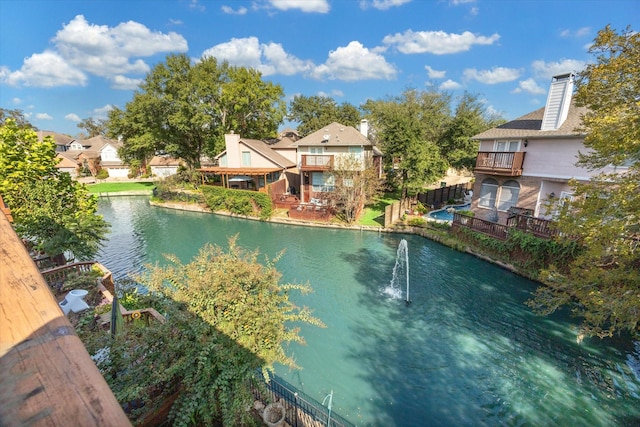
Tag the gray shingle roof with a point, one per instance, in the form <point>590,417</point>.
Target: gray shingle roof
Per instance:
<point>266,151</point>
<point>528,126</point>
<point>339,135</point>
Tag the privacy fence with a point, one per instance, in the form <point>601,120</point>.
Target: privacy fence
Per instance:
<point>442,195</point>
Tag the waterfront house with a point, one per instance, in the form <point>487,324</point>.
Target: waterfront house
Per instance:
<point>249,164</point>
<point>525,163</point>
<point>319,152</point>
<point>92,155</point>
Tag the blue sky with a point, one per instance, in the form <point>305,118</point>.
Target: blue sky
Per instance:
<point>64,60</point>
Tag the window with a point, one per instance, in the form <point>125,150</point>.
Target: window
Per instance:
<point>506,146</point>
<point>246,158</point>
<point>347,182</point>
<point>488,193</point>
<point>508,195</point>
<point>316,150</point>
<point>322,182</point>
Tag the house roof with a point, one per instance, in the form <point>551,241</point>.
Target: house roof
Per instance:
<point>164,161</point>
<point>97,143</point>
<point>528,126</point>
<point>66,161</point>
<point>335,134</point>
<point>266,151</point>
<point>58,138</point>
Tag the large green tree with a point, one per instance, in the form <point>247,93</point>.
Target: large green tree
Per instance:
<point>92,127</point>
<point>17,116</point>
<point>407,130</point>
<point>51,210</point>
<point>313,112</point>
<point>471,118</point>
<point>356,184</point>
<point>602,285</point>
<point>185,108</point>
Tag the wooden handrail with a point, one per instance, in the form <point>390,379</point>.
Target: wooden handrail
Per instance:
<point>47,377</point>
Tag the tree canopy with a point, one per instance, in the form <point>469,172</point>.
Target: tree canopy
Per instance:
<point>185,109</point>
<point>356,183</point>
<point>602,284</point>
<point>17,116</point>
<point>407,129</point>
<point>92,127</point>
<point>313,112</point>
<point>49,209</point>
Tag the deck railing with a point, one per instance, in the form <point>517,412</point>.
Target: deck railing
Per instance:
<point>499,231</point>
<point>310,212</point>
<point>57,275</point>
<point>317,162</point>
<point>537,226</point>
<point>507,163</point>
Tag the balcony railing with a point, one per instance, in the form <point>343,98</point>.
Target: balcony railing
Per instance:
<point>506,163</point>
<point>317,162</point>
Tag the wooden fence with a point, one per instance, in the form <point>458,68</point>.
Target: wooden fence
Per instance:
<point>442,195</point>
<point>539,227</point>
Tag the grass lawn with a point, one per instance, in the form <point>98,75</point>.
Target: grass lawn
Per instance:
<point>114,187</point>
<point>373,214</point>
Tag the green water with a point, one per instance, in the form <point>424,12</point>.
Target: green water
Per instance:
<point>466,352</point>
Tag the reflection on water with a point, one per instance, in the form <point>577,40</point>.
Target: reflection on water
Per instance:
<point>466,352</point>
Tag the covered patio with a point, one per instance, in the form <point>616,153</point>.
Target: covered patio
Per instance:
<point>242,178</point>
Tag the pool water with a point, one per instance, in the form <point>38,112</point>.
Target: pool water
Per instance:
<point>444,215</point>
<point>466,352</point>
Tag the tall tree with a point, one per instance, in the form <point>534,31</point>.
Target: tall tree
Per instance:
<point>48,207</point>
<point>17,116</point>
<point>602,285</point>
<point>356,183</point>
<point>407,130</point>
<point>471,118</point>
<point>92,127</point>
<point>185,109</point>
<point>313,112</point>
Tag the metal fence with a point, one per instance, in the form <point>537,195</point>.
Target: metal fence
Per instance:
<point>301,410</point>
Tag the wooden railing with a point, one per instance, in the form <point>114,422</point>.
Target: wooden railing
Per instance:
<point>310,212</point>
<point>536,226</point>
<point>507,163</point>
<point>317,162</point>
<point>499,231</point>
<point>56,276</point>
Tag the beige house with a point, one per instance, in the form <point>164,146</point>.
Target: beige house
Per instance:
<point>93,154</point>
<point>249,164</point>
<point>530,160</point>
<point>320,151</point>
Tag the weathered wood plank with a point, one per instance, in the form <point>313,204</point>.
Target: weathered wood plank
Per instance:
<point>46,375</point>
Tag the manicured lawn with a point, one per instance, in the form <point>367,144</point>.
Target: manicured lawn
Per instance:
<point>114,187</point>
<point>374,214</point>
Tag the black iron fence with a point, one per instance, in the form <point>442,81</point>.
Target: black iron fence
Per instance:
<point>301,410</point>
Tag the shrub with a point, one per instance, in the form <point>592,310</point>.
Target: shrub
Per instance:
<point>102,174</point>
<point>417,222</point>
<point>239,202</point>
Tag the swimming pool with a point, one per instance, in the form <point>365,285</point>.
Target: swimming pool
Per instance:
<point>444,214</point>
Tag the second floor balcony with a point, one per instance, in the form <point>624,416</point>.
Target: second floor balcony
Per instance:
<point>505,163</point>
<point>317,162</point>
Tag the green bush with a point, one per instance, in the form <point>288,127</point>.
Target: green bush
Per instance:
<point>239,202</point>
<point>102,174</point>
<point>417,222</point>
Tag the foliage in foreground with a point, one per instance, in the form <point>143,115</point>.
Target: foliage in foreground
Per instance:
<point>602,284</point>
<point>227,316</point>
<point>51,210</point>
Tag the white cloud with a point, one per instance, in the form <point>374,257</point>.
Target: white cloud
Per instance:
<point>106,51</point>
<point>124,83</point>
<point>354,62</point>
<point>269,58</point>
<point>195,4</point>
<point>382,4</point>
<point>436,42</point>
<point>546,70</point>
<point>493,76</point>
<point>459,2</point>
<point>529,86</point>
<point>73,117</point>
<point>434,74</point>
<point>580,32</point>
<point>47,69</point>
<point>313,6</point>
<point>231,11</point>
<point>102,112</point>
<point>333,94</point>
<point>175,22</point>
<point>16,101</point>
<point>43,116</point>
<point>450,85</point>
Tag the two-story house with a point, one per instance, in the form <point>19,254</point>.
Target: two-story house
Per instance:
<point>93,154</point>
<point>320,151</point>
<point>528,161</point>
